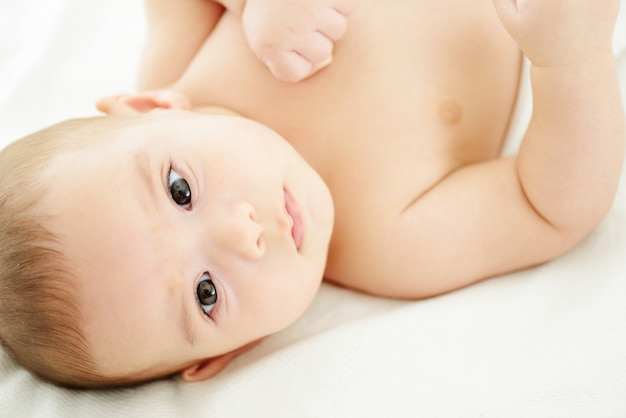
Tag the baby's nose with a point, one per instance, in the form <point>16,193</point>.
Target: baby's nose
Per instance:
<point>240,233</point>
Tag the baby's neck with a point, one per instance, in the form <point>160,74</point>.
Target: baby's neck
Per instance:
<point>215,110</point>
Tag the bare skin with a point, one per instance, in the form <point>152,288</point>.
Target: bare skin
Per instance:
<point>383,124</point>
<point>405,128</point>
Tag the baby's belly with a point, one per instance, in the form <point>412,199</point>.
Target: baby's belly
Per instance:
<point>414,92</point>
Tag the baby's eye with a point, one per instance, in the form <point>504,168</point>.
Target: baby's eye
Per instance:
<point>179,189</point>
<point>207,293</point>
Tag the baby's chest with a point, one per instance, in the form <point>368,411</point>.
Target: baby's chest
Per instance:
<point>403,102</point>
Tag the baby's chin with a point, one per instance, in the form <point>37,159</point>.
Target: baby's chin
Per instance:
<point>322,210</point>
<point>311,190</point>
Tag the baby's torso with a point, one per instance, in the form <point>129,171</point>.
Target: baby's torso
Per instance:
<point>416,89</point>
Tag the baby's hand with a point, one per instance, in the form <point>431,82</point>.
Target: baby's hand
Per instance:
<point>295,38</point>
<point>559,32</point>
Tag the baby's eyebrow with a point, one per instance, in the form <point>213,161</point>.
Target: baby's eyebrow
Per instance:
<point>143,167</point>
<point>144,172</point>
<point>186,322</point>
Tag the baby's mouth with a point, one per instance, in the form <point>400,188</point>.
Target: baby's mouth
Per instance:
<point>295,219</point>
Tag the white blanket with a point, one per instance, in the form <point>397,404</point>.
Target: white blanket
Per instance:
<point>545,342</point>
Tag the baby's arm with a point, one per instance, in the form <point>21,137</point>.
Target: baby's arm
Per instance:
<point>510,213</point>
<point>294,38</point>
<point>571,156</point>
<point>176,31</point>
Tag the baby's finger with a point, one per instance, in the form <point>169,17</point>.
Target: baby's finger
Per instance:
<point>345,7</point>
<point>289,66</point>
<point>333,25</point>
<point>315,47</point>
<point>293,67</point>
<point>312,54</point>
<point>322,64</point>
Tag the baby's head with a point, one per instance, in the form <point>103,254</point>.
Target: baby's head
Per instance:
<point>133,247</point>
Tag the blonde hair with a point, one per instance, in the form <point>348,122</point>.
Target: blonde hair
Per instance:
<point>39,313</point>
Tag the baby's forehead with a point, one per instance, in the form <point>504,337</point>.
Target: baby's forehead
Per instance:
<point>91,137</point>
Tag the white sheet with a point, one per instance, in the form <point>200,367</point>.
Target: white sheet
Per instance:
<point>545,342</point>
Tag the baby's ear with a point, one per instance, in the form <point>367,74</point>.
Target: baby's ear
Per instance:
<point>125,104</point>
<point>205,369</point>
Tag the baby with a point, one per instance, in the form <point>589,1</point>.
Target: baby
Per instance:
<point>202,213</point>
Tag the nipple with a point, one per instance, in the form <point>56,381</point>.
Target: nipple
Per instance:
<point>450,112</point>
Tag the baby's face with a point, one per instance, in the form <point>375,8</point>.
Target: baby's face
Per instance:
<point>192,235</point>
